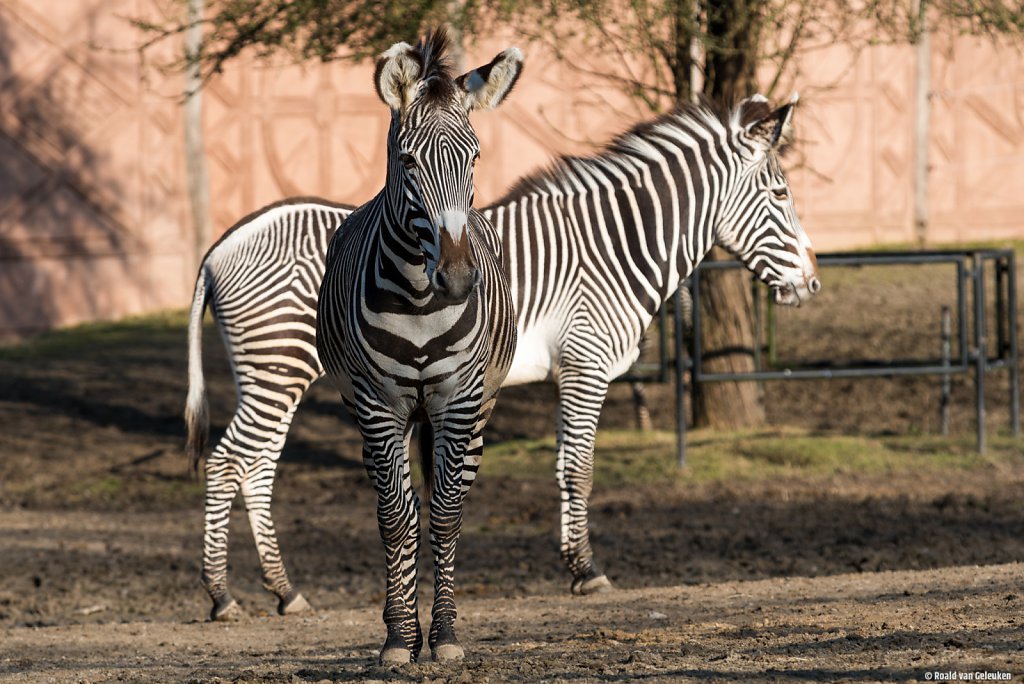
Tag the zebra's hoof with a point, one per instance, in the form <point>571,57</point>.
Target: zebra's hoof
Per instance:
<point>444,645</point>
<point>226,610</point>
<point>294,604</point>
<point>584,586</point>
<point>394,655</point>
<point>447,652</point>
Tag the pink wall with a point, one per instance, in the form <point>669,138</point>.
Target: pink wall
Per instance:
<point>94,217</point>
<point>92,223</point>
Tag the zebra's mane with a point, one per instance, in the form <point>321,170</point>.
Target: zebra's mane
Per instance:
<point>437,77</point>
<point>702,116</point>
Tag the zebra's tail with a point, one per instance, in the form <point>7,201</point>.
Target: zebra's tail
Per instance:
<point>197,410</point>
<point>426,440</point>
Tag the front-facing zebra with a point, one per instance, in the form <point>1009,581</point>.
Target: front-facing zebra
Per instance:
<point>415,323</point>
<point>591,248</point>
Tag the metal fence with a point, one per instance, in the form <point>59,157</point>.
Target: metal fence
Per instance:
<point>975,355</point>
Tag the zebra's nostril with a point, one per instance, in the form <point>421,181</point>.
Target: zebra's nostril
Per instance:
<point>814,285</point>
<point>440,282</point>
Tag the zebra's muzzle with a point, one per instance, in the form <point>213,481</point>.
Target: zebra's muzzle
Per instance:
<point>795,295</point>
<point>455,285</point>
<point>456,274</point>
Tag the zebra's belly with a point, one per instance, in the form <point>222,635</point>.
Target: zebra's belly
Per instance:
<point>535,356</point>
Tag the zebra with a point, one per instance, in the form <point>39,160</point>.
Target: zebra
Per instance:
<point>415,323</point>
<point>262,279</point>
<point>591,247</point>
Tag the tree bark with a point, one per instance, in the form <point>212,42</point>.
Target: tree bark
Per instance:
<point>733,37</point>
<point>726,312</point>
<point>726,304</point>
<point>195,148</point>
<point>682,66</point>
<point>457,48</point>
<point>922,115</point>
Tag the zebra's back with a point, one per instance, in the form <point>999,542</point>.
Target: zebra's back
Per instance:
<point>263,277</point>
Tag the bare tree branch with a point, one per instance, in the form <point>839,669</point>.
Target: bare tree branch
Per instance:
<point>636,42</point>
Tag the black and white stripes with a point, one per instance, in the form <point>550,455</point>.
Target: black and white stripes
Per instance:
<point>591,248</point>
<point>415,323</point>
<point>262,278</point>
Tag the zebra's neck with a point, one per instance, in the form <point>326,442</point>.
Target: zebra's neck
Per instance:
<point>643,211</point>
<point>400,264</point>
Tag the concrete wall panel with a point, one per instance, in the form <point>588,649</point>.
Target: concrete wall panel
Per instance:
<point>94,216</point>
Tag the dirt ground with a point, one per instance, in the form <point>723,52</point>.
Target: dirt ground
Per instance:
<point>879,627</point>
<point>850,577</point>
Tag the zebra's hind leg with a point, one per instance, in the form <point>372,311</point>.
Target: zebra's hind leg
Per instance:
<point>581,395</point>
<point>223,477</point>
<point>258,490</point>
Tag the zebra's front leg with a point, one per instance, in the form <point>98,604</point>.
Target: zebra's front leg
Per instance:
<point>581,396</point>
<point>398,519</point>
<point>456,460</point>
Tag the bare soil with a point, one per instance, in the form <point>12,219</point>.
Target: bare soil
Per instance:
<point>850,577</point>
<point>902,626</point>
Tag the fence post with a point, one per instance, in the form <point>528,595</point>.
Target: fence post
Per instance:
<point>1011,301</point>
<point>755,296</point>
<point>946,332</point>
<point>680,377</point>
<point>980,352</point>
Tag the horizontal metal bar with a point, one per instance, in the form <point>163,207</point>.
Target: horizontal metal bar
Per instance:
<point>646,367</point>
<point>858,260</point>
<point>649,379</point>
<point>983,253</point>
<point>888,258</point>
<point>829,373</point>
<point>654,378</point>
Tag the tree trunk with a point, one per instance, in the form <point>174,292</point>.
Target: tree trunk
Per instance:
<point>195,149</point>
<point>457,48</point>
<point>726,312</point>
<point>682,62</point>
<point>726,305</point>
<point>922,115</point>
<point>733,37</point>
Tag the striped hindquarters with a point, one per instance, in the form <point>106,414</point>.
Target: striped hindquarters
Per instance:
<point>261,282</point>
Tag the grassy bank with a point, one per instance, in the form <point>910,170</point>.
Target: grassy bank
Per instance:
<point>632,457</point>
<point>120,386</point>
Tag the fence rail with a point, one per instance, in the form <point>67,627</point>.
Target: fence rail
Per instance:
<point>973,357</point>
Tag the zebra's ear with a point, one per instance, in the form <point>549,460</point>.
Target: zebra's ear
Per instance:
<point>485,87</point>
<point>397,76</point>
<point>772,130</point>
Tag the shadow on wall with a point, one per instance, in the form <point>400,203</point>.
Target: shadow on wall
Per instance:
<point>62,213</point>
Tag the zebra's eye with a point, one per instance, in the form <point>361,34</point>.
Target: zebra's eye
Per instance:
<point>408,161</point>
<point>781,194</point>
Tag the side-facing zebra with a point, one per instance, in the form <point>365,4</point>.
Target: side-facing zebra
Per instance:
<point>415,323</point>
<point>591,247</point>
